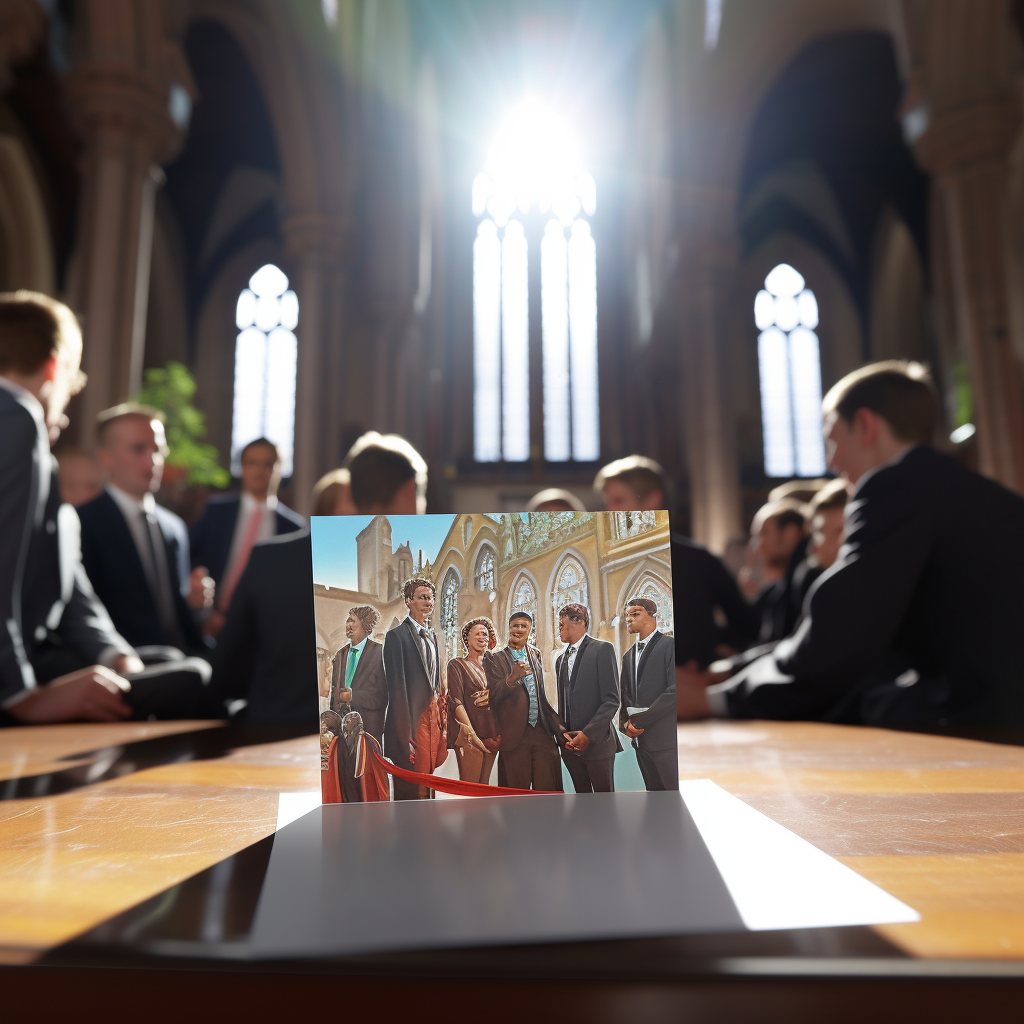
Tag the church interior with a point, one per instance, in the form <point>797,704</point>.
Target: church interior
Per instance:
<point>642,295</point>
<point>663,157</point>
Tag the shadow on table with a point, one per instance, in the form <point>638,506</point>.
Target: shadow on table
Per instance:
<point>115,762</point>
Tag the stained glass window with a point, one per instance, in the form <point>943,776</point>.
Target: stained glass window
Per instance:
<point>450,614</point>
<point>786,314</point>
<point>266,315</point>
<point>485,570</point>
<point>570,588</point>
<point>524,598</point>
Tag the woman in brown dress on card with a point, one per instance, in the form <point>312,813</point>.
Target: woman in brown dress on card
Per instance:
<point>472,730</point>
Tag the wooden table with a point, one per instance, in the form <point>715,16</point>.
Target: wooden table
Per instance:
<point>97,818</point>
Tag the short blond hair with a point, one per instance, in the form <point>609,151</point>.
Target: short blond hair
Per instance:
<point>325,492</point>
<point>106,419</point>
<point>641,474</point>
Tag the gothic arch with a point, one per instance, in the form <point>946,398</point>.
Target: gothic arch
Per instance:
<point>313,164</point>
<point>520,576</point>
<point>650,569</point>
<point>570,555</point>
<point>478,552</point>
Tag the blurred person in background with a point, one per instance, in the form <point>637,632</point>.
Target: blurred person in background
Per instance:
<point>921,580</point>
<point>135,551</point>
<point>266,652</point>
<point>700,582</point>
<point>332,495</point>
<point>55,630</point>
<point>779,537</point>
<point>387,476</point>
<point>223,537</point>
<point>555,499</point>
<point>825,513</point>
<point>80,477</point>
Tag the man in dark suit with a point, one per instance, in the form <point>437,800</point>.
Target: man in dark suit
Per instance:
<point>415,729</point>
<point>923,578</point>
<point>45,595</point>
<point>779,531</point>
<point>701,585</point>
<point>530,729</point>
<point>648,681</point>
<point>223,536</point>
<point>588,698</point>
<point>266,653</point>
<point>136,552</point>
<point>358,682</point>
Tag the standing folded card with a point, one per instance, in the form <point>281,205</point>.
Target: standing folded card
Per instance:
<point>497,654</point>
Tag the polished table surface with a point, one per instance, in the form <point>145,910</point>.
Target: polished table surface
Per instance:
<point>95,819</point>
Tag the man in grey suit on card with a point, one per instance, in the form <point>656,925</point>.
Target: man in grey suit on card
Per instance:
<point>649,681</point>
<point>358,682</point>
<point>588,698</point>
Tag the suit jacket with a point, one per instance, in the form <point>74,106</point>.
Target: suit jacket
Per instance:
<point>369,685</point>
<point>510,702</point>
<point>44,590</point>
<point>115,568</point>
<point>700,584</point>
<point>266,652</point>
<point>410,687</point>
<point>781,603</point>
<point>655,690</point>
<point>926,576</point>
<point>589,698</point>
<point>212,534</point>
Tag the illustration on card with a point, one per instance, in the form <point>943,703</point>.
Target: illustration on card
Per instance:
<point>490,655</point>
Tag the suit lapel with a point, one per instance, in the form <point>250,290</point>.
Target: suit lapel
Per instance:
<point>576,661</point>
<point>414,633</point>
<point>363,660</point>
<point>127,543</point>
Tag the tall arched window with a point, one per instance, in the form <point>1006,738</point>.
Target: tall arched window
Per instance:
<point>786,314</point>
<point>570,588</point>
<point>450,614</point>
<point>534,196</point>
<point>524,598</point>
<point>484,573</point>
<point>265,353</point>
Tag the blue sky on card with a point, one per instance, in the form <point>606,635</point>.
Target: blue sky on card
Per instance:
<point>334,543</point>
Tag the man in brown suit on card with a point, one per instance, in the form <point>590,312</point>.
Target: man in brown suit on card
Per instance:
<point>531,731</point>
<point>358,682</point>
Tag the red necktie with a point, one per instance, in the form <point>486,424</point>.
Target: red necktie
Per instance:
<point>241,560</point>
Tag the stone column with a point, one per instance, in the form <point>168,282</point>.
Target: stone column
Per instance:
<point>118,97</point>
<point>706,275</point>
<point>962,108</point>
<point>317,244</point>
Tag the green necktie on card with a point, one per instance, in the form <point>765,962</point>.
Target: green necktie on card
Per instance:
<point>350,666</point>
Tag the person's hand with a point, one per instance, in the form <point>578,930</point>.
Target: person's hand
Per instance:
<point>476,742</point>
<point>576,741</point>
<point>631,730</point>
<point>691,691</point>
<point>492,744</point>
<point>520,670</point>
<point>88,695</point>
<point>201,589</point>
<point>345,695</point>
<point>127,664</point>
<point>482,698</point>
<point>214,623</point>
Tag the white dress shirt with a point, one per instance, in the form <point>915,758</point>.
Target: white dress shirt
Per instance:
<point>267,527</point>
